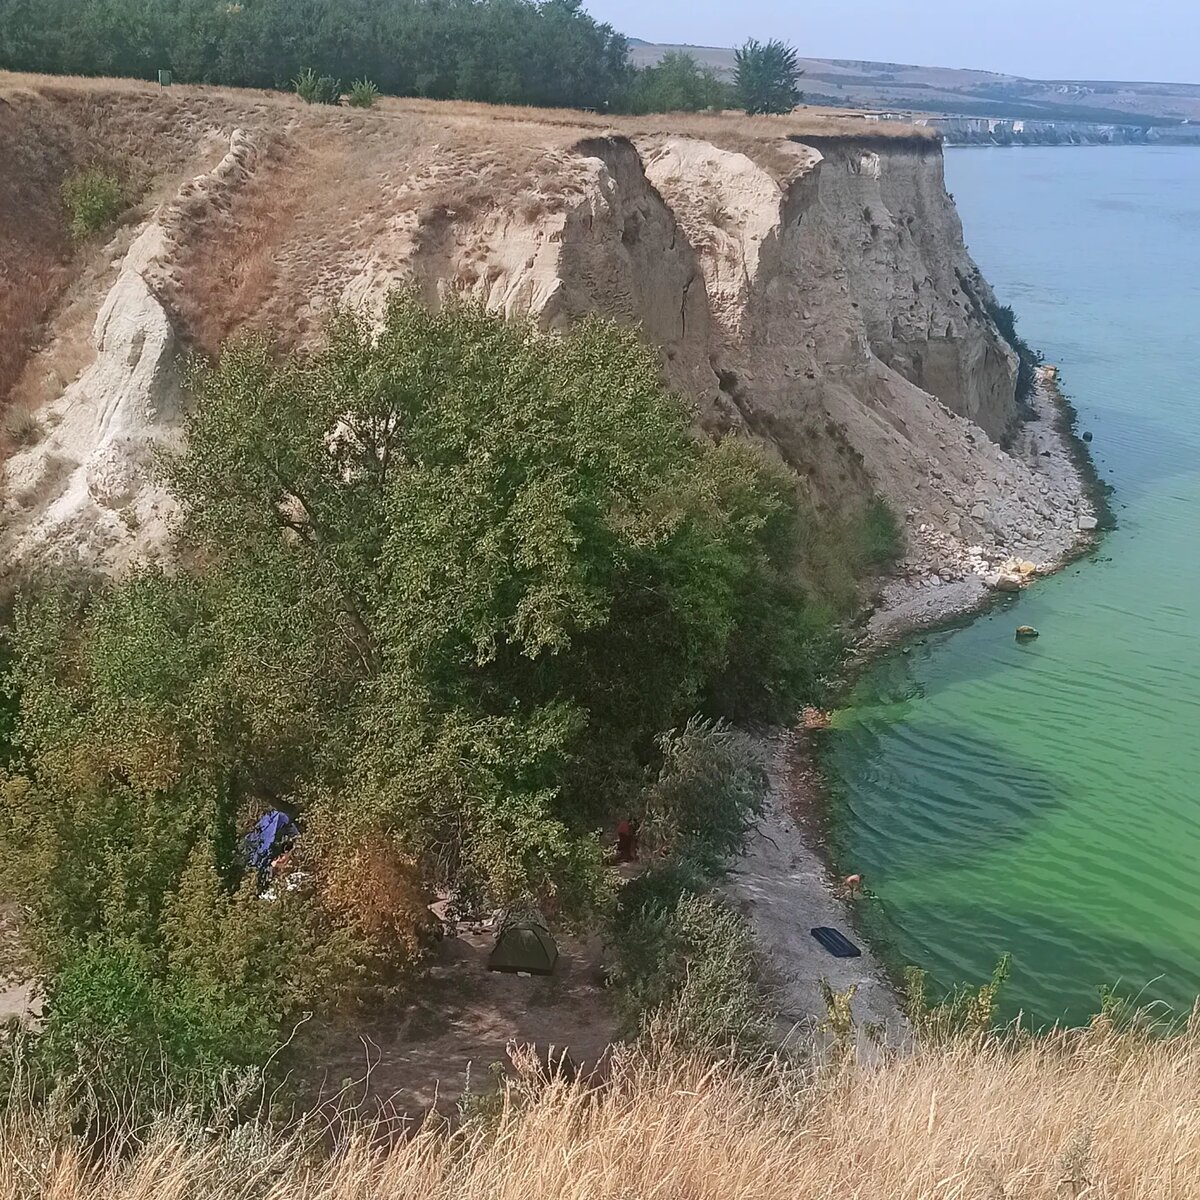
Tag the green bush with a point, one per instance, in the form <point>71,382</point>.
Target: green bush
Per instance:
<point>708,791</point>
<point>363,94</point>
<point>880,540</point>
<point>1028,359</point>
<point>93,199</point>
<point>685,966</point>
<point>317,89</point>
<point>129,1043</point>
<point>676,84</point>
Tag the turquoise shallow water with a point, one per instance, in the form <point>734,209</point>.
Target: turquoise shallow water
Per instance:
<point>1044,799</point>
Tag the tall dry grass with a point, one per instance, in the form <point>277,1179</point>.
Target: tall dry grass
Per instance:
<point>1098,1113</point>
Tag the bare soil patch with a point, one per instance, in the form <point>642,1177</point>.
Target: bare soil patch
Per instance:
<point>409,1058</point>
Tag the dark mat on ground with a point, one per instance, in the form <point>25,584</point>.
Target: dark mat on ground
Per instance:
<point>837,943</point>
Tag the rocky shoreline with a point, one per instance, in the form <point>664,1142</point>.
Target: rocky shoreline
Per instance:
<point>785,882</point>
<point>942,577</point>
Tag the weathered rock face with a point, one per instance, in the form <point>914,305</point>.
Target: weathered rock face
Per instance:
<point>899,240</point>
<point>814,295</point>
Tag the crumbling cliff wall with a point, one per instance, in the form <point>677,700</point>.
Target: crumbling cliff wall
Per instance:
<point>813,292</point>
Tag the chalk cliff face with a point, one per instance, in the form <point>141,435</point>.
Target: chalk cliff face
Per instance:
<point>815,294</point>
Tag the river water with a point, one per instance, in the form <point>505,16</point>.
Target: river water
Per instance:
<point>1043,799</point>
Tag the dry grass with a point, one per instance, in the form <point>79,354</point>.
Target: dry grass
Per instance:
<point>229,269</point>
<point>807,120</point>
<point>34,244</point>
<point>1096,1114</point>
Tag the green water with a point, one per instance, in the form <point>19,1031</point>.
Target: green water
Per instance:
<point>1044,799</point>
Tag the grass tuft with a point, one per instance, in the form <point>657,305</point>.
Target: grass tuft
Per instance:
<point>363,94</point>
<point>94,200</point>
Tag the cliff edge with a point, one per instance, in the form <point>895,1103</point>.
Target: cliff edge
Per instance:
<point>805,284</point>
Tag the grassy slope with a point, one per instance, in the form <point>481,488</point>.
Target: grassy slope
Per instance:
<point>1092,1113</point>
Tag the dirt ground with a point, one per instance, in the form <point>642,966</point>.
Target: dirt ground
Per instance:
<point>407,1059</point>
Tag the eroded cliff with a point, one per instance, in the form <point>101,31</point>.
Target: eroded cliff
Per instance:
<point>810,290</point>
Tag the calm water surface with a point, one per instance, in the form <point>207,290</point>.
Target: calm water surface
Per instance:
<point>1044,799</point>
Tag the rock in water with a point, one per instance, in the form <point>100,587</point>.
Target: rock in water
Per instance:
<point>1026,633</point>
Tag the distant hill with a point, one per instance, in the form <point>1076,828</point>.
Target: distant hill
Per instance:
<point>853,83</point>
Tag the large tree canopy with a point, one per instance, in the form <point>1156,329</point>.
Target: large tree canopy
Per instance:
<point>445,582</point>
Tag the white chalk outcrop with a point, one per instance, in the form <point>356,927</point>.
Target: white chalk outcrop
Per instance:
<point>88,493</point>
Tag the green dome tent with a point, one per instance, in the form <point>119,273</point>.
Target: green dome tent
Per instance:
<point>524,945</point>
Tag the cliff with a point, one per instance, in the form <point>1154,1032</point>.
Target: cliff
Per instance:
<point>805,286</point>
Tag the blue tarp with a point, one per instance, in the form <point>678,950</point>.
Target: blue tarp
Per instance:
<point>260,842</point>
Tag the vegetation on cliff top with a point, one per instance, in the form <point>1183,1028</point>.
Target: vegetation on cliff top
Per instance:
<point>549,53</point>
<point>504,51</point>
<point>765,78</point>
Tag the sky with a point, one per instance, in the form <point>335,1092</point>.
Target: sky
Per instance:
<point>1044,39</point>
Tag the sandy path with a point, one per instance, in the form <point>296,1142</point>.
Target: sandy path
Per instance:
<point>780,884</point>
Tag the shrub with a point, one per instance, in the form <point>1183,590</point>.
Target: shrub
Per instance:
<point>363,94</point>
<point>963,1012</point>
<point>685,964</point>
<point>1028,359</point>
<point>719,1006</point>
<point>132,1043</point>
<point>709,789</point>
<point>686,967</point>
<point>317,89</point>
<point>21,427</point>
<point>93,199</point>
<point>880,541</point>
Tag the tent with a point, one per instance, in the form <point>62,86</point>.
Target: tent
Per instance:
<point>524,945</point>
<point>268,838</point>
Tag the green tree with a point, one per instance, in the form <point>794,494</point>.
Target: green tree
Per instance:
<point>529,559</point>
<point>445,581</point>
<point>765,77</point>
<point>676,84</point>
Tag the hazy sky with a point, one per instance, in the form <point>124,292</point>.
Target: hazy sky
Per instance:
<point>1065,39</point>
